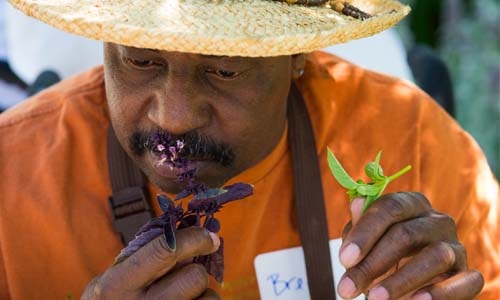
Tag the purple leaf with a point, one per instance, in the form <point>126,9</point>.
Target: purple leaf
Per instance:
<point>188,221</point>
<point>202,207</point>
<point>209,194</point>
<point>183,194</point>
<point>157,222</point>
<point>166,204</point>
<point>212,199</point>
<point>212,224</point>
<point>234,192</point>
<point>204,204</point>
<point>168,232</point>
<point>141,240</point>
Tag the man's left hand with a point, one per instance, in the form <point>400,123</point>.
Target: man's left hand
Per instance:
<point>401,248</point>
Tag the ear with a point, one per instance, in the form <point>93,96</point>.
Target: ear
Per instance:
<point>298,64</point>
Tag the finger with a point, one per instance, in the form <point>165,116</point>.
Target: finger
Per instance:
<point>356,208</point>
<point>463,286</point>
<point>433,261</point>
<point>156,258</point>
<point>402,240</point>
<point>346,230</point>
<point>186,283</point>
<point>91,291</point>
<point>386,211</point>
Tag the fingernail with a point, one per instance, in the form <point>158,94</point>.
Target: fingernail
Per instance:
<point>422,296</point>
<point>346,288</point>
<point>215,239</point>
<point>378,293</point>
<point>349,255</point>
<point>168,231</point>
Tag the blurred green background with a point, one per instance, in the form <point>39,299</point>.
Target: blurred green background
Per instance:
<point>466,35</point>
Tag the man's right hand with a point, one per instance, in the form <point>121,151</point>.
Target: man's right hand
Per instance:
<point>154,272</point>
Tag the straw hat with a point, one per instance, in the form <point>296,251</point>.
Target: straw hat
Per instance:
<point>216,27</point>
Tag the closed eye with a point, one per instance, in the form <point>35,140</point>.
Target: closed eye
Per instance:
<point>140,63</point>
<point>223,74</point>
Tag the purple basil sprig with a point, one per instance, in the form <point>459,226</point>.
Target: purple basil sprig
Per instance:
<point>200,211</point>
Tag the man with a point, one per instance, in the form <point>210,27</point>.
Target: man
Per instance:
<point>217,77</point>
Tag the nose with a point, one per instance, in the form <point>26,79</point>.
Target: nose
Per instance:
<point>180,105</point>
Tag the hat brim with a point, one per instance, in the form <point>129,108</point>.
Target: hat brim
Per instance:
<point>249,28</point>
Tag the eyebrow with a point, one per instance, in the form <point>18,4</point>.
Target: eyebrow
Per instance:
<point>202,55</point>
<point>214,58</point>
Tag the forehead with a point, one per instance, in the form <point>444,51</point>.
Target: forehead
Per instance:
<point>133,50</point>
<point>127,50</point>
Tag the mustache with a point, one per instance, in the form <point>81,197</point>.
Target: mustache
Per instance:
<point>196,146</point>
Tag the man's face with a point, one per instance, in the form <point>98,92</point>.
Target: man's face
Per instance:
<point>230,111</point>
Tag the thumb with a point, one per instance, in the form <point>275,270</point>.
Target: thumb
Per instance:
<point>357,209</point>
<point>157,257</point>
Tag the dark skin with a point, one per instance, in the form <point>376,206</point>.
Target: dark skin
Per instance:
<point>241,102</point>
<point>232,101</point>
<point>401,232</point>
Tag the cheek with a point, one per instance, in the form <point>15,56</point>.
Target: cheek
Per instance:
<point>125,101</point>
<point>125,104</point>
<point>257,130</point>
<point>115,103</point>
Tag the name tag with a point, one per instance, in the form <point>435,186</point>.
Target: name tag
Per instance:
<point>282,274</point>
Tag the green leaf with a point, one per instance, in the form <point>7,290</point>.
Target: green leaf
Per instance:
<point>371,190</point>
<point>368,202</point>
<point>339,173</point>
<point>373,169</point>
<point>353,194</point>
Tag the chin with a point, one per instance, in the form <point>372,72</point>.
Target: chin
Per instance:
<point>169,186</point>
<point>173,186</point>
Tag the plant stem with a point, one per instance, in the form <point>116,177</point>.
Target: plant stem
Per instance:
<point>399,173</point>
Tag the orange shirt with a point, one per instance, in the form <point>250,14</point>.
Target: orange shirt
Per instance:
<point>56,231</point>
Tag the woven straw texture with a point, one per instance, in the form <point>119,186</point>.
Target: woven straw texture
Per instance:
<point>214,27</point>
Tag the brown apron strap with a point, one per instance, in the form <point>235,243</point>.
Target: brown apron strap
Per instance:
<point>308,191</point>
<point>129,200</point>
<point>131,208</point>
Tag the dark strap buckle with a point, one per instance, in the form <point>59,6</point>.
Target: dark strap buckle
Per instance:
<point>131,210</point>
